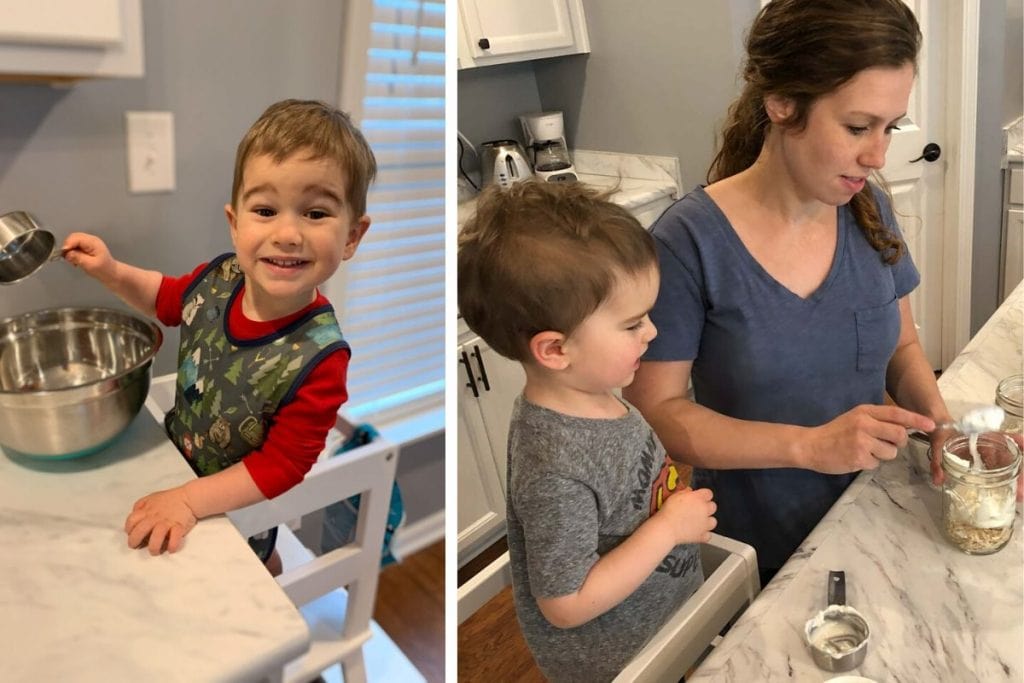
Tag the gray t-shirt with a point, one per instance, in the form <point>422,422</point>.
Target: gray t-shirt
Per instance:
<point>760,352</point>
<point>578,487</point>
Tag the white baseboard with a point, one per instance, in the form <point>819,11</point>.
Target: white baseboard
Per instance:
<point>413,537</point>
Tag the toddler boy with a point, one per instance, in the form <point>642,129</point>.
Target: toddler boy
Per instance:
<point>602,543</point>
<point>261,361</point>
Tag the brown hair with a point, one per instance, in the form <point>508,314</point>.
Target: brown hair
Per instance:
<point>802,50</point>
<point>543,256</point>
<point>290,126</point>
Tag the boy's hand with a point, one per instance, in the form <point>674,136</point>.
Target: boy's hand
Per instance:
<point>162,517</point>
<point>89,253</point>
<point>690,515</point>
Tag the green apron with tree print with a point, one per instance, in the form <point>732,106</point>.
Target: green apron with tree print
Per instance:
<point>228,390</point>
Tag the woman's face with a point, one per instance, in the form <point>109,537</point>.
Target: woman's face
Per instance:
<point>847,133</point>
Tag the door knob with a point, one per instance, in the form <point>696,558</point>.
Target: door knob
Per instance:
<point>484,44</point>
<point>931,152</point>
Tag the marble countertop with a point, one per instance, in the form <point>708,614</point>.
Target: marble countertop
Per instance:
<point>935,613</point>
<point>76,604</point>
<point>637,179</point>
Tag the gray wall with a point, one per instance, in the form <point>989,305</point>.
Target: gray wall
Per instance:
<point>491,97</point>
<point>609,99</point>
<point>216,66</point>
<point>1000,84</point>
<point>612,102</point>
<point>1013,62</point>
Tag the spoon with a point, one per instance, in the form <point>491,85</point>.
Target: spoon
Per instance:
<point>975,421</point>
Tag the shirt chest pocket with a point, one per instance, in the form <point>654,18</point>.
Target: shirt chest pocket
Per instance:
<point>878,330</point>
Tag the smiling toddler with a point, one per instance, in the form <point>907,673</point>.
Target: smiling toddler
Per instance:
<point>261,361</point>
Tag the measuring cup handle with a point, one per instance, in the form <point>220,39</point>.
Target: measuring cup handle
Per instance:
<point>837,588</point>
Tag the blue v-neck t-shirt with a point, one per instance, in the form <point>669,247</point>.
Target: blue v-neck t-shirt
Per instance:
<point>761,352</point>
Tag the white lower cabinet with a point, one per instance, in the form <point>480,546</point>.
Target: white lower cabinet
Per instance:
<point>1012,262</point>
<point>488,387</point>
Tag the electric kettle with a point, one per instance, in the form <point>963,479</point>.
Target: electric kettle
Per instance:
<point>503,162</point>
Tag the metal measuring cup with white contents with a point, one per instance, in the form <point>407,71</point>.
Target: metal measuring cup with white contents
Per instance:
<point>838,635</point>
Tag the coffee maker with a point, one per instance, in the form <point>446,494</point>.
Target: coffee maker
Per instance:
<point>544,135</point>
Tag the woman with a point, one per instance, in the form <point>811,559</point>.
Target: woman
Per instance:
<point>785,281</point>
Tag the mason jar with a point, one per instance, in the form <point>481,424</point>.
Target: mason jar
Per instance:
<point>1010,397</point>
<point>979,494</point>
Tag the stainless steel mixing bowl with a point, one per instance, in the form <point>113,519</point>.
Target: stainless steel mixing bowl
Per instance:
<point>72,379</point>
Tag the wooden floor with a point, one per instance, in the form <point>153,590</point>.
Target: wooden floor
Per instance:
<point>410,609</point>
<point>491,646</point>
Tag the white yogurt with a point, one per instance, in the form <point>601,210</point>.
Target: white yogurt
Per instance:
<point>981,420</point>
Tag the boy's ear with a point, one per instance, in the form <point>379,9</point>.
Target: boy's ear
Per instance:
<point>229,211</point>
<point>355,234</point>
<point>547,349</point>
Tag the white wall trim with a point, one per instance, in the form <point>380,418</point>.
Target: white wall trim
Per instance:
<point>413,537</point>
<point>353,62</point>
<point>958,227</point>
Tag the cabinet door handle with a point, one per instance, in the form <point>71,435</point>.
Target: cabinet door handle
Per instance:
<point>483,370</point>
<point>469,372</point>
<point>484,44</point>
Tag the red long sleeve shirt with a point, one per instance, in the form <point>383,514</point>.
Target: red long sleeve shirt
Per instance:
<point>298,430</point>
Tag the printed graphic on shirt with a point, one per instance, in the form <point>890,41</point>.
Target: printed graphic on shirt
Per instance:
<point>658,487</point>
<point>678,566</point>
<point>665,485</point>
<point>644,475</point>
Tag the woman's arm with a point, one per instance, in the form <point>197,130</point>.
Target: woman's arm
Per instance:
<point>910,381</point>
<point>856,440</point>
<point>699,436</point>
<point>909,377</point>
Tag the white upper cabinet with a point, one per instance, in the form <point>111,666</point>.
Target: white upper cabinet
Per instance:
<point>64,40</point>
<point>498,31</point>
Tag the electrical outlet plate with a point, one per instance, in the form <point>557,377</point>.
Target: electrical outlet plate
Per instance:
<point>150,142</point>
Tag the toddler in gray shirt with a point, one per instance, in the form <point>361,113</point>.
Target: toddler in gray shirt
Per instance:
<point>602,536</point>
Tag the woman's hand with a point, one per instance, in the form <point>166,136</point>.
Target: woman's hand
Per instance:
<point>1019,438</point>
<point>163,518</point>
<point>936,439</point>
<point>861,438</point>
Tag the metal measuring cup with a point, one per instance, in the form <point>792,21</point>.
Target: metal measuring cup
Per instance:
<point>838,635</point>
<point>24,246</point>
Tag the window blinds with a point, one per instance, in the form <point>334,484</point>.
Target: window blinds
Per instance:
<point>393,314</point>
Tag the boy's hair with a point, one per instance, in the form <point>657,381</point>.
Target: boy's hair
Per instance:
<point>543,256</point>
<point>290,126</point>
